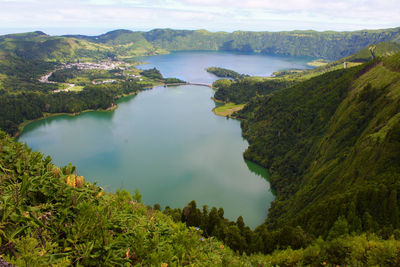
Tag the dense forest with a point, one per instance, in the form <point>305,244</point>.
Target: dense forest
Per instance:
<point>125,44</point>
<point>51,216</point>
<point>16,108</point>
<point>331,45</point>
<point>332,145</point>
<point>245,89</point>
<point>225,73</point>
<point>329,136</point>
<point>24,58</point>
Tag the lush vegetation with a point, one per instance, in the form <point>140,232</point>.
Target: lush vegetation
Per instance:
<point>63,75</point>
<point>332,45</point>
<point>125,44</point>
<point>152,73</point>
<point>227,109</point>
<point>374,51</point>
<point>332,145</point>
<point>52,216</point>
<point>330,137</point>
<point>173,80</point>
<point>244,89</point>
<point>155,75</point>
<point>19,107</point>
<point>225,73</point>
<point>24,58</point>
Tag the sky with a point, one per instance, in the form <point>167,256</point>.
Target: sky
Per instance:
<point>94,17</point>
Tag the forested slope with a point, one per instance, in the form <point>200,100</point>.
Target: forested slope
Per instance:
<point>244,89</point>
<point>50,216</point>
<point>24,58</point>
<point>331,45</point>
<point>332,144</point>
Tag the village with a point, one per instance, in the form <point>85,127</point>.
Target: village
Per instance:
<point>104,65</point>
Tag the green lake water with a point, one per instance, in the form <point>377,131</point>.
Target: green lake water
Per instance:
<point>167,143</point>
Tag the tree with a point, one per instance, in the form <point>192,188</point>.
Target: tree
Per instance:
<point>339,228</point>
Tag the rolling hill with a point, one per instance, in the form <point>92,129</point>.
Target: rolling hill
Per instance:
<point>332,145</point>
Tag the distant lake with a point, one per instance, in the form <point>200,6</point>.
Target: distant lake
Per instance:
<point>167,142</point>
<point>190,66</point>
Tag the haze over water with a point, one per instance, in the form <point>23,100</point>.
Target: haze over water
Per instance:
<point>167,142</point>
<point>190,65</point>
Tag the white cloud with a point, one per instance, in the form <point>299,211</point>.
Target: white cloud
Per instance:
<point>214,15</point>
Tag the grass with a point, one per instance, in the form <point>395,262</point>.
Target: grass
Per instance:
<point>318,63</point>
<point>302,75</point>
<point>228,109</point>
<point>76,88</point>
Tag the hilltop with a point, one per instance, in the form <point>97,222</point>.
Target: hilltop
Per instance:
<point>330,45</point>
<point>245,89</point>
<point>332,146</point>
<point>329,136</point>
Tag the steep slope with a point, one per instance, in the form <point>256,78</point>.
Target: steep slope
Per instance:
<point>46,48</point>
<point>382,49</point>
<point>49,216</point>
<point>331,45</point>
<point>123,43</point>
<point>243,90</point>
<point>332,144</point>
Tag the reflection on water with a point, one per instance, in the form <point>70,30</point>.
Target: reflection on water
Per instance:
<point>166,142</point>
<point>190,65</point>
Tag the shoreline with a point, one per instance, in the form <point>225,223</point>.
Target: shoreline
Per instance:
<point>227,111</point>
<point>113,107</point>
<point>49,115</point>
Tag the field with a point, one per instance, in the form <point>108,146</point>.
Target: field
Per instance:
<point>228,109</point>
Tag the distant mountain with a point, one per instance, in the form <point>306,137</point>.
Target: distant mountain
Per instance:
<point>125,43</point>
<point>23,35</point>
<point>330,138</point>
<point>43,47</point>
<point>331,45</point>
<point>117,37</point>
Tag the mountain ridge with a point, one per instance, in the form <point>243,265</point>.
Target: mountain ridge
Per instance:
<point>330,140</point>
<point>297,43</point>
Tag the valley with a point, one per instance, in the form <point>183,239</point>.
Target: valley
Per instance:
<point>306,174</point>
<point>184,116</point>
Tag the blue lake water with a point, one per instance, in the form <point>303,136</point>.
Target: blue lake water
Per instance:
<point>190,66</point>
<point>167,142</point>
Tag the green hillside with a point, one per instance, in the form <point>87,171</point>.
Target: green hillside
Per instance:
<point>329,136</point>
<point>332,145</point>
<point>331,45</point>
<point>56,49</point>
<point>243,90</point>
<point>24,58</point>
<point>113,45</point>
<point>51,216</point>
<point>376,50</point>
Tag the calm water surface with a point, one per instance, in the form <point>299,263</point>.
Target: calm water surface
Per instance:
<point>190,66</point>
<point>167,142</point>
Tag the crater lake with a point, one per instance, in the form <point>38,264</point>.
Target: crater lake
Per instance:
<point>167,142</point>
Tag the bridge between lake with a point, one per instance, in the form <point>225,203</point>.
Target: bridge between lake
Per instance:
<point>189,83</point>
